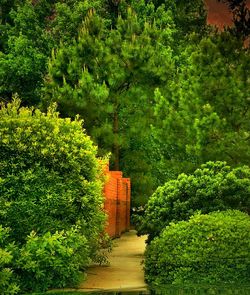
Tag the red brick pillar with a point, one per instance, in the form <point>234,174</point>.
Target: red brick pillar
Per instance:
<point>128,201</point>
<point>117,202</point>
<point>118,176</point>
<point>110,204</point>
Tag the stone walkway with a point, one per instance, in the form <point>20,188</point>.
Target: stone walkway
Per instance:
<point>125,272</point>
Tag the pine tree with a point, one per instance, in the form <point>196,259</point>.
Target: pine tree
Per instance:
<point>205,115</point>
<point>108,76</point>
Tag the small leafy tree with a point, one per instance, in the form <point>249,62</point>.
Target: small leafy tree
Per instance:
<point>215,186</point>
<point>206,249</point>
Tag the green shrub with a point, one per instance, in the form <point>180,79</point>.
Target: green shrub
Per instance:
<point>49,174</point>
<point>50,181</point>
<point>215,186</point>
<point>207,249</point>
<point>8,285</point>
<point>52,260</point>
<point>222,289</point>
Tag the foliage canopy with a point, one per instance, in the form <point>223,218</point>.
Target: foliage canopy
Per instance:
<point>203,114</point>
<point>108,75</point>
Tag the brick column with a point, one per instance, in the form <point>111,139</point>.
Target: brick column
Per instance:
<point>110,204</point>
<point>128,202</point>
<point>117,203</point>
<point>118,176</point>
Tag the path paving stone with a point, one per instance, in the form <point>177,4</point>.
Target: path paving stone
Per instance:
<point>125,272</point>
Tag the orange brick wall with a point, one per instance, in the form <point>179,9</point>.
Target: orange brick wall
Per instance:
<point>117,203</point>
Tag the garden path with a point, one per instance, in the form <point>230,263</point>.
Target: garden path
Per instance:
<point>125,272</point>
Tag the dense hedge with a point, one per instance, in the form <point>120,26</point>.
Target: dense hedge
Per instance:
<point>207,249</point>
<point>215,186</point>
<point>50,194</point>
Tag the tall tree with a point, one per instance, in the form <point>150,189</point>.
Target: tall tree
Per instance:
<point>108,76</point>
<point>189,16</point>
<point>205,115</point>
<point>28,32</point>
<point>135,148</point>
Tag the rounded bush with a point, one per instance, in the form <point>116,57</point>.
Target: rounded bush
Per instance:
<point>50,181</point>
<point>215,186</point>
<point>49,173</point>
<point>207,249</point>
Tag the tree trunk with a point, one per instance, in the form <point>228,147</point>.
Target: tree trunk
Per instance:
<point>113,9</point>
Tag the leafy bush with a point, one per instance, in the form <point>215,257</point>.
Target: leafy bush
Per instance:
<point>50,181</point>
<point>215,186</point>
<point>207,249</point>
<point>8,285</point>
<point>52,260</point>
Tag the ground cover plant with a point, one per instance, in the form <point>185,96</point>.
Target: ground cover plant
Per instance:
<point>208,249</point>
<point>214,186</point>
<point>51,196</point>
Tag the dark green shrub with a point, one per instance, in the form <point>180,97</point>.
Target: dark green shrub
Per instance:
<point>207,249</point>
<point>8,285</point>
<point>215,186</point>
<point>50,181</point>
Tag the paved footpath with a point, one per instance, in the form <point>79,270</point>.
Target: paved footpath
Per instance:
<point>125,272</point>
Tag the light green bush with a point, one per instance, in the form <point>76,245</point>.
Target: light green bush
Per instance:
<point>8,285</point>
<point>52,260</point>
<point>50,182</point>
<point>215,186</point>
<point>206,249</point>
